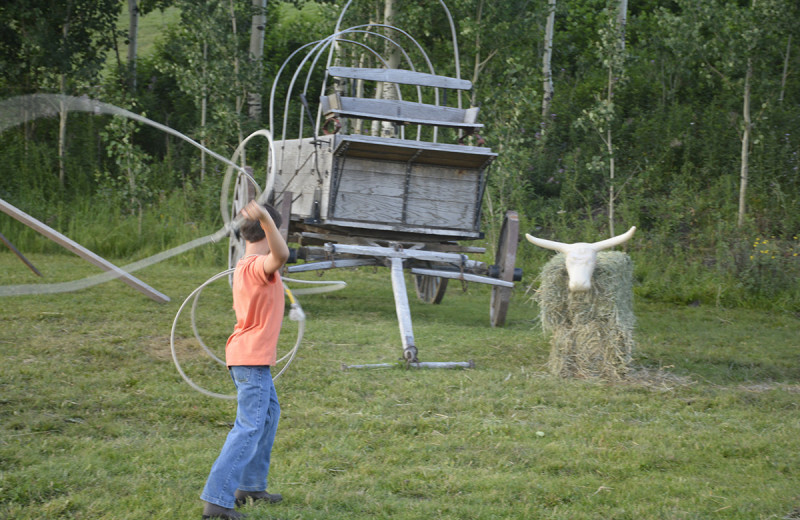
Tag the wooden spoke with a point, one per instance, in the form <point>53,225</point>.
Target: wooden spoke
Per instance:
<point>430,289</point>
<point>242,194</point>
<point>505,258</point>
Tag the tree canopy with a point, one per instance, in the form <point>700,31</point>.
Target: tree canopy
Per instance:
<point>703,93</point>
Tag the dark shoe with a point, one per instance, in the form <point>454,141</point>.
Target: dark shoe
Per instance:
<point>214,511</point>
<point>256,496</point>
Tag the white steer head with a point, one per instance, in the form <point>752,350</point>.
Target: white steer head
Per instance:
<point>581,257</point>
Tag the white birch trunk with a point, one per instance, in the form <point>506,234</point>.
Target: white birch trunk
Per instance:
<point>258,29</point>
<point>622,17</point>
<point>547,71</point>
<point>622,21</point>
<point>388,90</point>
<point>611,164</point>
<point>238,88</point>
<point>745,144</point>
<point>62,131</point>
<point>785,69</point>
<point>133,35</point>
<point>360,92</point>
<point>478,65</point>
<point>203,109</point>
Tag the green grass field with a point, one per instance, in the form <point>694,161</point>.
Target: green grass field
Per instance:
<point>95,421</point>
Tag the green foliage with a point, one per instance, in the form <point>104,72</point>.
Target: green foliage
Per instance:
<point>46,42</point>
<point>129,185</point>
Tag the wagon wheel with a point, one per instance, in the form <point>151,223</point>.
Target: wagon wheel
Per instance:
<point>504,260</point>
<point>430,289</point>
<point>243,192</point>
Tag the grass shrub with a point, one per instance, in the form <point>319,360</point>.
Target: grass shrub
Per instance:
<point>96,423</point>
<point>100,225</point>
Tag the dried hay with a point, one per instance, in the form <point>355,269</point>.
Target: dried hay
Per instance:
<point>591,332</point>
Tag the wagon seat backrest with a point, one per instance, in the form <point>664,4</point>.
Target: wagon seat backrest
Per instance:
<point>398,111</point>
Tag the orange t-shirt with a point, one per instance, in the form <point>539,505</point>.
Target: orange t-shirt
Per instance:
<point>258,302</point>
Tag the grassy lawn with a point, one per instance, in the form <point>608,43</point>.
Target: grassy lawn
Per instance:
<point>95,421</point>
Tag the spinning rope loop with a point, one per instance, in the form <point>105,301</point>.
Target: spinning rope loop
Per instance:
<point>295,314</point>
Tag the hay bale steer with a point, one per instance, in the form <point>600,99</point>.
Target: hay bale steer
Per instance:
<point>586,302</point>
<point>581,257</point>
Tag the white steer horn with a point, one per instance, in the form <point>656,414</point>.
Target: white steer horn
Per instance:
<point>581,257</point>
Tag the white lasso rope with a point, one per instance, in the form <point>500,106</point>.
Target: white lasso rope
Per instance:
<point>295,314</point>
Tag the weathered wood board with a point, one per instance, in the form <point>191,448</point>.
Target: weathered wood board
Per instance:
<point>406,77</point>
<point>405,194</point>
<point>397,111</point>
<point>422,152</point>
<point>81,251</point>
<point>297,173</point>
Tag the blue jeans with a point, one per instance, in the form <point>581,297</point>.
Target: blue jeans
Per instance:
<point>243,462</point>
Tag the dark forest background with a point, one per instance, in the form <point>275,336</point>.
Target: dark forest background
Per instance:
<point>658,119</point>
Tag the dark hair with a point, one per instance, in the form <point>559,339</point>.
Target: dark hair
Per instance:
<point>251,229</point>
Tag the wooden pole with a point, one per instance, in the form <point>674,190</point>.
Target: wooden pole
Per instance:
<point>81,251</point>
<point>16,251</point>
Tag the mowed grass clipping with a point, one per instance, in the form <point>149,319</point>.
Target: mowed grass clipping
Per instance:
<point>95,421</point>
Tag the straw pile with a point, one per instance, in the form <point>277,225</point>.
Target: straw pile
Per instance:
<point>591,332</point>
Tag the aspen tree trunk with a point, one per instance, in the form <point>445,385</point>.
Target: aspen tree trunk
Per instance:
<point>203,109</point>
<point>785,69</point>
<point>388,90</point>
<point>239,103</point>
<point>745,144</point>
<point>258,28</point>
<point>611,165</point>
<point>359,123</point>
<point>547,71</point>
<point>62,111</point>
<point>622,21</point>
<point>133,34</point>
<point>478,65</point>
<point>62,129</point>
<point>622,16</point>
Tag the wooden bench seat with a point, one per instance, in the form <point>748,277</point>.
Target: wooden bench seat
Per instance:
<point>405,77</point>
<point>401,112</point>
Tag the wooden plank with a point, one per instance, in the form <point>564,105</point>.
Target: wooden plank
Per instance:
<point>355,139</point>
<point>405,77</point>
<point>286,214</point>
<point>454,184</point>
<point>437,213</point>
<point>443,196</point>
<point>297,160</point>
<point>416,254</point>
<point>462,276</point>
<point>359,206</point>
<point>372,177</point>
<point>403,112</point>
<point>372,184</point>
<point>363,165</point>
<point>81,251</point>
<point>453,192</point>
<point>403,150</point>
<point>388,231</point>
<point>403,310</point>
